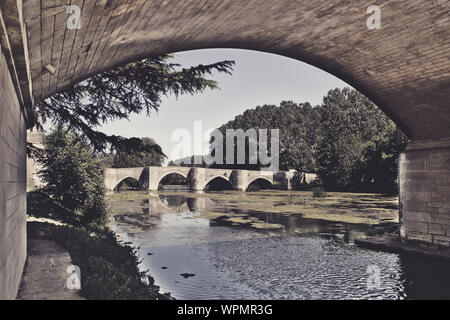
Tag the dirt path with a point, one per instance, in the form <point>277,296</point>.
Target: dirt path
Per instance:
<point>46,273</point>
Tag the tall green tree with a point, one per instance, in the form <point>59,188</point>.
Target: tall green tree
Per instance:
<point>116,94</point>
<point>357,149</point>
<point>299,130</point>
<point>73,176</point>
<point>149,153</point>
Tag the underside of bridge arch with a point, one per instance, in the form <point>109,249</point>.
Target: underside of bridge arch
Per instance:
<point>259,184</point>
<point>218,183</point>
<point>173,178</point>
<point>128,183</point>
<point>404,67</point>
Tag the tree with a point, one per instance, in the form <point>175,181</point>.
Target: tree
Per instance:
<point>73,176</point>
<point>120,92</point>
<point>298,126</point>
<point>148,153</point>
<point>357,149</point>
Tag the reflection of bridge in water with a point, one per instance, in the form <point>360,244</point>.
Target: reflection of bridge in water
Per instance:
<point>201,205</point>
<point>199,178</point>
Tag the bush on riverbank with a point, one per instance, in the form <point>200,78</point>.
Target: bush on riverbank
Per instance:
<point>74,194</point>
<point>109,270</point>
<point>73,178</point>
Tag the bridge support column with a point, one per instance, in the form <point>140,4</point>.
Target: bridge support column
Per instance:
<point>425,192</point>
<point>153,179</point>
<point>239,180</point>
<point>197,179</point>
<point>109,177</point>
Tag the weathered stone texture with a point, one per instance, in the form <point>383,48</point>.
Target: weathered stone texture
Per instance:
<point>404,67</point>
<point>425,191</point>
<point>12,186</point>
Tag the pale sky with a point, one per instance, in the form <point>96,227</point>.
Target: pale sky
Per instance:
<point>258,78</point>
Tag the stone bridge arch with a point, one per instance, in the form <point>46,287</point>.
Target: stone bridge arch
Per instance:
<point>113,177</point>
<point>262,177</point>
<point>156,174</point>
<point>403,66</point>
<point>383,64</point>
<point>217,176</point>
<point>178,172</point>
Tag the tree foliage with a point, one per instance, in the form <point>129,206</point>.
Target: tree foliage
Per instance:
<point>298,128</point>
<point>358,148</point>
<point>73,176</point>
<point>148,153</point>
<point>347,140</point>
<point>116,94</point>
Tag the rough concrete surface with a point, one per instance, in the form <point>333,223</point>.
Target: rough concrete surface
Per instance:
<point>45,273</point>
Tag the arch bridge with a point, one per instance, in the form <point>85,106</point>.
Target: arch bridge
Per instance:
<point>199,178</point>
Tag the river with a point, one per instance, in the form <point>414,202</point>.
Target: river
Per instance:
<point>272,245</point>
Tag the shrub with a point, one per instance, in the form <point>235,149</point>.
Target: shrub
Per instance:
<point>73,176</point>
<point>42,205</point>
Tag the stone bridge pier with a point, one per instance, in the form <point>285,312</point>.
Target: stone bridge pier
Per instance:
<point>425,192</point>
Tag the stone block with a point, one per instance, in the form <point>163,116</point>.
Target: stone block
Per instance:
<point>441,240</point>
<point>418,236</point>
<point>415,216</point>
<point>414,226</point>
<point>437,228</point>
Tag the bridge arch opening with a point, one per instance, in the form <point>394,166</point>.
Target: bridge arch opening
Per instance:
<point>173,180</point>
<point>218,183</point>
<point>259,184</point>
<point>129,184</point>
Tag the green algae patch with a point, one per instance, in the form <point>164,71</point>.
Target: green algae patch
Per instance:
<point>357,208</point>
<point>254,223</point>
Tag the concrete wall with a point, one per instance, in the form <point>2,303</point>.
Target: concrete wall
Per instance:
<point>425,192</point>
<point>12,186</point>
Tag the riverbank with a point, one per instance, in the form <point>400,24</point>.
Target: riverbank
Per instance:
<point>109,270</point>
<point>45,275</point>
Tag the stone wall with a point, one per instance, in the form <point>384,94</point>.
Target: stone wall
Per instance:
<point>425,192</point>
<point>12,186</point>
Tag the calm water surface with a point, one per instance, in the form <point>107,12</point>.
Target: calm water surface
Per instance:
<point>195,253</point>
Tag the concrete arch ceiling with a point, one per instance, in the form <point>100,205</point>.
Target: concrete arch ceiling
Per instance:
<point>404,67</point>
